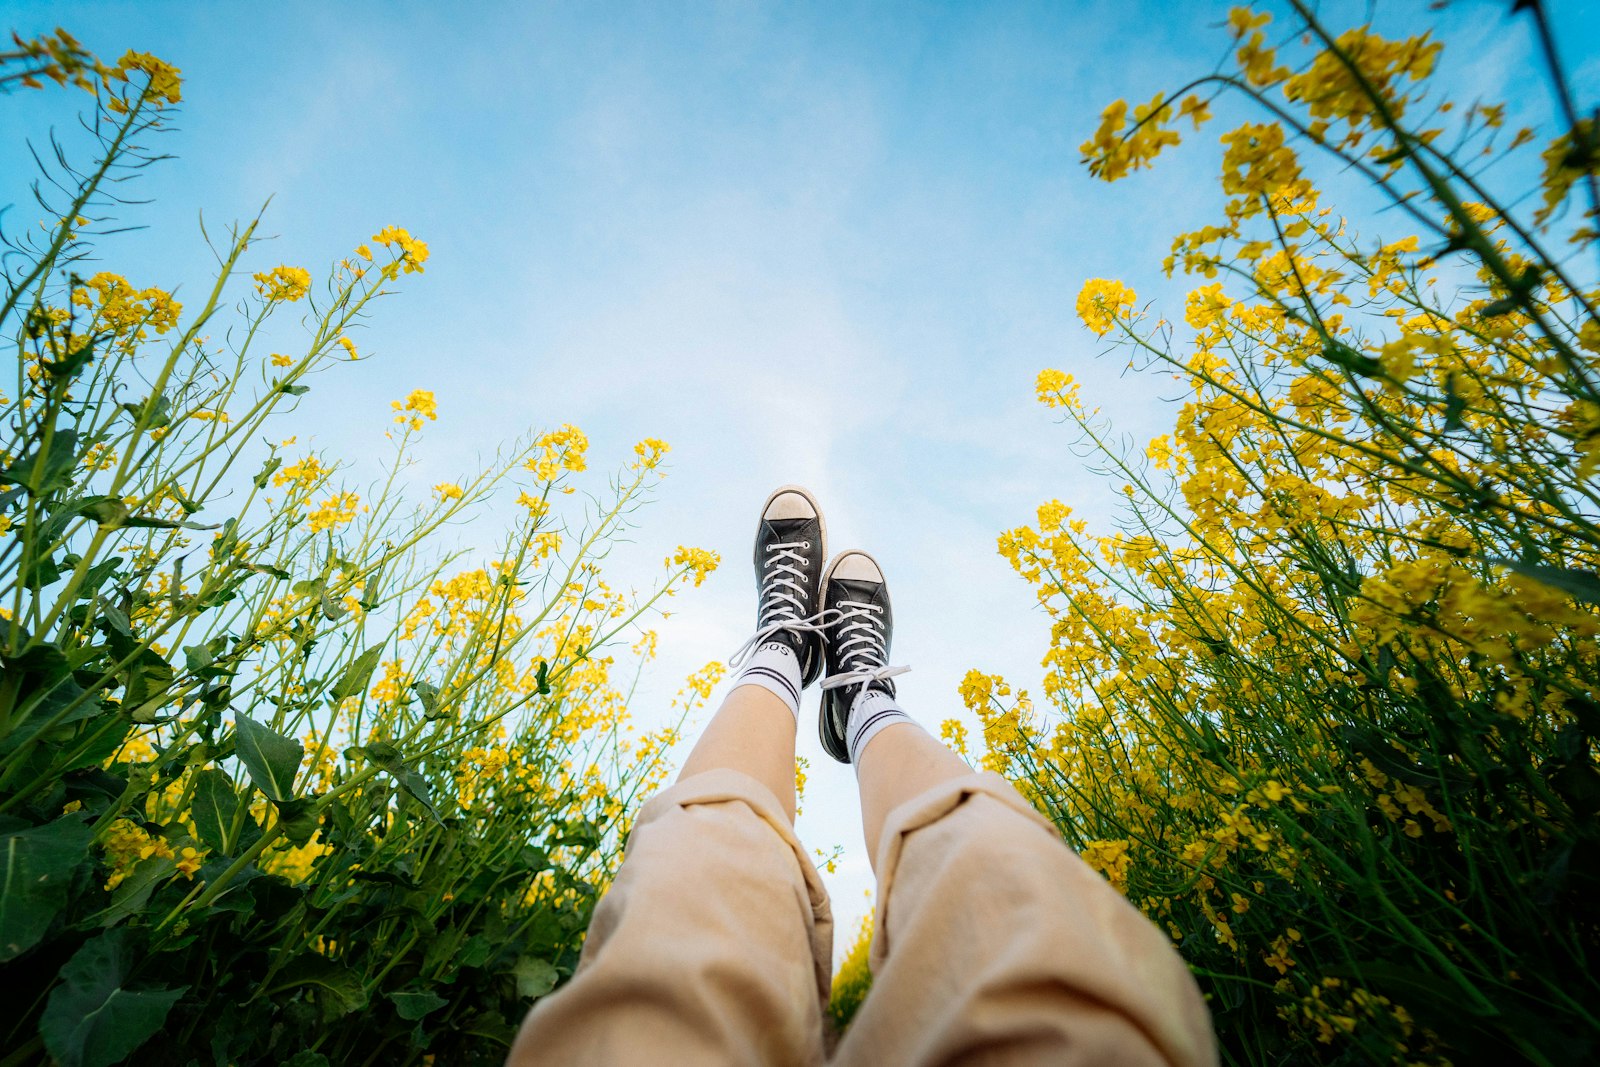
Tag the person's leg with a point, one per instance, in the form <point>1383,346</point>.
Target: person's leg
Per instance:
<point>714,943</point>
<point>993,942</point>
<point>900,763</point>
<point>752,733</point>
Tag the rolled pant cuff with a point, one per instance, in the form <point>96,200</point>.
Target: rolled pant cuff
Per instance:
<point>922,810</point>
<point>722,785</point>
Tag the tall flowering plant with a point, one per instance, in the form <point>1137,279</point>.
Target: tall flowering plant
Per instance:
<point>281,779</point>
<point>1325,706</point>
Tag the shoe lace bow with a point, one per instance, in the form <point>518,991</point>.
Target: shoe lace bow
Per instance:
<point>784,594</point>
<point>861,646</point>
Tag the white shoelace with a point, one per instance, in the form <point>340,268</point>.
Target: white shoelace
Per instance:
<point>785,584</point>
<point>861,650</point>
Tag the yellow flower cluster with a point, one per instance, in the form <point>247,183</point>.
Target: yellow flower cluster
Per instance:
<point>283,284</point>
<point>1350,604</point>
<point>699,561</point>
<point>559,450</point>
<point>127,843</point>
<point>296,862</point>
<point>1257,163</point>
<point>1102,302</point>
<point>1111,859</point>
<point>1115,150</point>
<point>62,59</point>
<point>413,253</point>
<point>165,85</point>
<point>649,453</point>
<point>419,404</point>
<point>301,477</point>
<point>338,510</point>
<point>128,312</point>
<point>1340,82</point>
<point>1058,389</point>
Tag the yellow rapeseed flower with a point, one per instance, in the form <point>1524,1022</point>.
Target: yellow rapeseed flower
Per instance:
<point>287,284</point>
<point>336,511</point>
<point>559,450</point>
<point>700,561</point>
<point>1058,389</point>
<point>419,404</point>
<point>649,451</point>
<point>1101,302</point>
<point>166,83</point>
<point>413,253</point>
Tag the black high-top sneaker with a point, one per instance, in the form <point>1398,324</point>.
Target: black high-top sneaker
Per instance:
<point>856,645</point>
<point>791,545</point>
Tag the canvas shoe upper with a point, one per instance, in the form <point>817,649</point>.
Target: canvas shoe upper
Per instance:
<point>860,625</point>
<point>791,545</point>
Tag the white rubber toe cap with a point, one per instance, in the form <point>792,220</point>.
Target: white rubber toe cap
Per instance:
<point>857,566</point>
<point>790,502</point>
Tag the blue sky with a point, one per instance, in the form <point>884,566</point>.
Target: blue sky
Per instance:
<point>820,243</point>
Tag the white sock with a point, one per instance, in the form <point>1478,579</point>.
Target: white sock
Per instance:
<point>868,718</point>
<point>775,668</point>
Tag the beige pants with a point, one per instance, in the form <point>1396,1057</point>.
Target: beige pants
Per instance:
<point>993,943</point>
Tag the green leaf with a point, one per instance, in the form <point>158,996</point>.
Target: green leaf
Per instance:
<point>109,511</point>
<point>134,891</point>
<point>45,699</point>
<point>306,1058</point>
<point>330,610</point>
<point>272,759</point>
<point>413,1006</point>
<point>411,781</point>
<point>96,741</point>
<point>1357,363</point>
<point>213,809</point>
<point>1394,156</point>
<point>158,408</point>
<point>381,752</point>
<point>116,618</point>
<point>196,657</point>
<point>201,660</point>
<point>40,571</point>
<point>429,695</point>
<point>1454,405</point>
<point>168,524</point>
<point>265,475</point>
<point>1584,585</point>
<point>147,680</point>
<point>35,868</point>
<point>357,674</point>
<point>339,990</point>
<point>64,370</point>
<point>299,819</point>
<point>580,833</point>
<point>53,470</point>
<point>535,977</point>
<point>90,1019</point>
<point>475,952</point>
